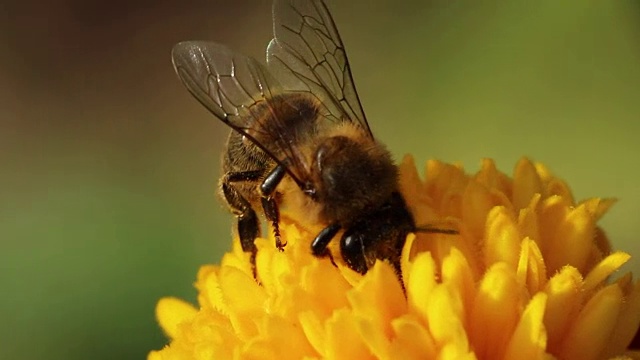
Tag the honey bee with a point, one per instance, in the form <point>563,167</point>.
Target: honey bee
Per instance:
<point>300,136</point>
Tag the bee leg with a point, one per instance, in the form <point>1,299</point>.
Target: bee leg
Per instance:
<point>248,224</point>
<point>319,245</point>
<point>271,211</point>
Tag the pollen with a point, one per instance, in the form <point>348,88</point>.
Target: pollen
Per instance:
<point>530,275</point>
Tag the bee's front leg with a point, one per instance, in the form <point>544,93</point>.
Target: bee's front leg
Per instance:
<point>269,205</point>
<point>319,245</point>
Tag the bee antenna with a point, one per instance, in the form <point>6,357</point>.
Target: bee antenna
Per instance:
<point>434,230</point>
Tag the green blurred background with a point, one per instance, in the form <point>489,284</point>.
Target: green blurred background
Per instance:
<point>109,166</point>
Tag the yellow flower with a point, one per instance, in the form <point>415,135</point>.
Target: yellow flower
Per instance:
<point>528,277</point>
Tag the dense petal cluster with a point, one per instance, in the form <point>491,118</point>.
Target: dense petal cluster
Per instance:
<point>528,277</point>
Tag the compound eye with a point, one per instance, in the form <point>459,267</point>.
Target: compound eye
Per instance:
<point>353,252</point>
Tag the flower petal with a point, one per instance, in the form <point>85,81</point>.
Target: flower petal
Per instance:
<point>502,239</point>
<point>343,338</point>
<point>597,207</point>
<point>526,183</point>
<point>171,312</point>
<point>457,274</point>
<point>564,301</point>
<point>445,184</point>
<point>531,269</point>
<point>528,223</point>
<point>604,269</point>
<point>420,282</point>
<point>314,330</point>
<point>495,312</point>
<point>379,297</point>
<point>445,313</point>
<point>279,339</point>
<point>587,337</point>
<point>209,292</point>
<point>529,339</point>
<point>476,204</point>
<point>411,340</point>
<point>569,238</point>
<point>490,177</point>
<point>628,321</point>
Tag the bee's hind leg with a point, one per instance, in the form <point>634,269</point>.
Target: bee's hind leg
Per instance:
<point>248,223</point>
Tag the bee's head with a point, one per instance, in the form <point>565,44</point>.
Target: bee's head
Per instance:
<point>351,177</point>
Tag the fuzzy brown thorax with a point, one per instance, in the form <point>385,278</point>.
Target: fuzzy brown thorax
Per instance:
<point>351,174</point>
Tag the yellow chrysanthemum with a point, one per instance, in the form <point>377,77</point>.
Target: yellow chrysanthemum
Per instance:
<point>526,278</point>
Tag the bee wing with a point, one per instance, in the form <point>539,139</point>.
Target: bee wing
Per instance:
<point>307,54</point>
<point>236,88</point>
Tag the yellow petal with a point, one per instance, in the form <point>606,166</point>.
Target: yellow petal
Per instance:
<point>560,188</point>
<point>526,183</point>
<point>241,292</point>
<point>576,242</point>
<point>237,258</point>
<point>604,269</point>
<point>406,258</point>
<point>421,281</point>
<point>587,337</point>
<point>453,352</point>
<point>273,267</point>
<point>529,339</point>
<point>412,187</point>
<point>628,322</point>
<point>171,312</point>
<point>314,330</point>
<point>157,355</point>
<point>528,223</point>
<point>490,177</point>
<point>244,298</point>
<point>376,301</point>
<point>476,204</point>
<point>343,338</point>
<point>572,240</point>
<point>531,268</point>
<point>379,298</point>
<point>374,337</point>
<point>502,240</point>
<point>325,286</point>
<point>209,292</point>
<point>597,207</point>
<point>564,291</point>
<point>554,186</point>
<point>411,340</point>
<point>458,276</point>
<point>279,339</point>
<point>446,319</point>
<point>495,312</point>
<point>553,212</point>
<point>445,184</point>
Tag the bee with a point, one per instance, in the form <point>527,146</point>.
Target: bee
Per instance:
<point>300,137</point>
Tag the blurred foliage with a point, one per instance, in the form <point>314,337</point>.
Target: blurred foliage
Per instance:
<point>109,167</point>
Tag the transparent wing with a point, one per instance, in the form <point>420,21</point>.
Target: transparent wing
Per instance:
<point>241,93</point>
<point>307,55</point>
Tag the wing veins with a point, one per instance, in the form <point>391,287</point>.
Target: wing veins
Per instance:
<point>293,52</point>
<point>329,37</point>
